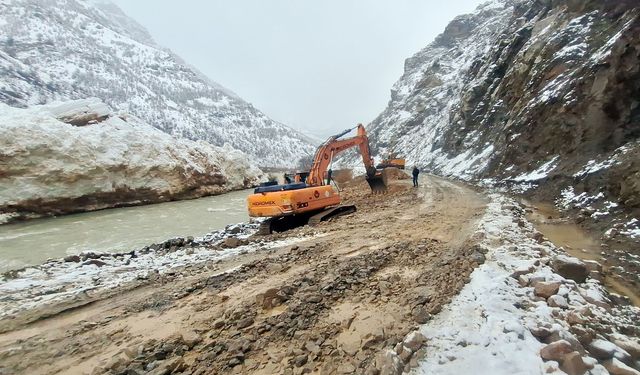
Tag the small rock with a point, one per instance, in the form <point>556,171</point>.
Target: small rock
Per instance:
<point>570,268</point>
<point>406,354</point>
<point>72,258</point>
<point>268,299</point>
<point>314,298</point>
<point>573,364</point>
<point>346,368</point>
<point>191,338</point>
<point>231,242</point>
<point>593,266</point>
<point>300,360</point>
<point>244,323</point>
<point>274,268</point>
<point>521,272</point>
<point>628,345</point>
<point>389,363</point>
<point>94,262</point>
<point>312,347</point>
<point>539,237</point>
<point>117,361</point>
<point>595,275</point>
<point>616,367</point>
<point>569,337</point>
<point>556,351</point>
<point>546,289</point>
<point>557,301</point>
<point>574,317</point>
<point>371,340</point>
<point>414,341</point>
<point>551,367</point>
<point>584,335</point>
<point>420,315</point>
<point>234,362</point>
<point>541,332</point>
<point>478,257</point>
<point>602,349</point>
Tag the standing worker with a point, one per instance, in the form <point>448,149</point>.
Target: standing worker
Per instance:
<point>416,173</point>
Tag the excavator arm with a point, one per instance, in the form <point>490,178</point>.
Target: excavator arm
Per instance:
<point>334,146</point>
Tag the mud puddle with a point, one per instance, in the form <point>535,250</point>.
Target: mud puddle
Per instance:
<point>578,243</point>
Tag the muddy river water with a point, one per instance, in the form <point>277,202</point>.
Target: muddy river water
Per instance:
<point>116,230</point>
<point>578,243</point>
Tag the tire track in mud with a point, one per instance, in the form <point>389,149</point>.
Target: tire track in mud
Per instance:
<point>327,305</point>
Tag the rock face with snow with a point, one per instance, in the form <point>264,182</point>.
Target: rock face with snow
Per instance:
<point>74,49</point>
<point>80,156</point>
<point>540,95</point>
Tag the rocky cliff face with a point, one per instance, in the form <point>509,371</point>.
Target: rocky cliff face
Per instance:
<point>542,96</point>
<point>74,49</point>
<point>80,156</point>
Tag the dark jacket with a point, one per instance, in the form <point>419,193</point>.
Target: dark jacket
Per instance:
<point>416,172</point>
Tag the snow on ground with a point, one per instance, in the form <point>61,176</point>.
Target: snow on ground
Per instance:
<point>482,330</point>
<point>59,281</point>
<point>540,173</point>
<point>493,326</point>
<point>569,199</point>
<point>631,228</point>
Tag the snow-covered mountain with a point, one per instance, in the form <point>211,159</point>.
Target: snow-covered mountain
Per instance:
<point>75,49</point>
<point>81,156</point>
<point>540,95</point>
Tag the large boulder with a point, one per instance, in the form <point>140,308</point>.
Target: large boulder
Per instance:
<point>570,268</point>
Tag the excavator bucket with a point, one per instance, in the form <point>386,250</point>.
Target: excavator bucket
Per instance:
<point>377,183</point>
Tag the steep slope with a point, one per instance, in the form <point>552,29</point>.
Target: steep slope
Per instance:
<point>74,49</point>
<point>541,96</point>
<point>80,156</point>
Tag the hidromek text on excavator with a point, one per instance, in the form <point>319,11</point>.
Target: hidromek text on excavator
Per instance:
<point>312,199</point>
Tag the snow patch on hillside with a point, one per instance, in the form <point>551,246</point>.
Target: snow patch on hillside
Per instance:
<point>65,50</point>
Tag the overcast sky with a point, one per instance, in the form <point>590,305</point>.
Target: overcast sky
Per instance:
<point>321,65</point>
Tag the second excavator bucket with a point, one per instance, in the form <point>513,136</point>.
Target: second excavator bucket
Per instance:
<point>378,183</point>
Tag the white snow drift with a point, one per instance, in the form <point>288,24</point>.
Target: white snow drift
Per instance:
<point>47,160</point>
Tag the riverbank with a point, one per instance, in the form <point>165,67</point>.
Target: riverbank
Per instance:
<point>344,297</point>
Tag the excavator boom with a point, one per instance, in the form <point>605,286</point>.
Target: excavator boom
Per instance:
<point>333,146</point>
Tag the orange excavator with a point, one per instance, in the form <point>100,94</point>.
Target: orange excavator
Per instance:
<point>312,199</point>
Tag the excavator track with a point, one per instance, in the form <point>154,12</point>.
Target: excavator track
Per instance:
<point>285,223</point>
<point>331,213</point>
<point>265,228</point>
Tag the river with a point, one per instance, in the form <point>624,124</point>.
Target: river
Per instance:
<point>116,230</point>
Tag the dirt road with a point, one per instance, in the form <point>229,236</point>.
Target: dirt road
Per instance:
<point>327,305</point>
